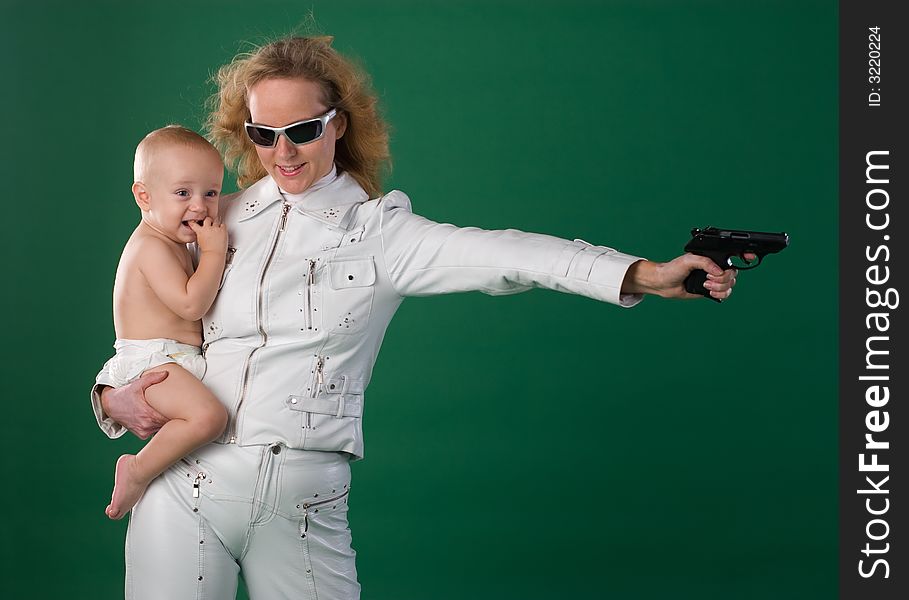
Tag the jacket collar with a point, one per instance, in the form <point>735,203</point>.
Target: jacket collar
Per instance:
<point>331,204</point>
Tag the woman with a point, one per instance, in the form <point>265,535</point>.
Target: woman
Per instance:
<point>320,261</point>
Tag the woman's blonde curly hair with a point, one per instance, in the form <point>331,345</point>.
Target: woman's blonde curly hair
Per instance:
<point>363,149</point>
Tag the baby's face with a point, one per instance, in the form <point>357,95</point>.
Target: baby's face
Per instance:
<point>183,184</point>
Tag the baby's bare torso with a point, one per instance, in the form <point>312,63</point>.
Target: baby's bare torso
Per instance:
<point>138,312</point>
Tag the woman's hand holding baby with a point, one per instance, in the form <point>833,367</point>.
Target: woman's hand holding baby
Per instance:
<point>127,406</point>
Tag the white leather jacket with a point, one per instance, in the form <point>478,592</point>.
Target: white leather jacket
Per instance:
<point>308,292</point>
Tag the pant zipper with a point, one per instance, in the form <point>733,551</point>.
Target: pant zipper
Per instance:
<point>199,477</point>
<point>309,505</point>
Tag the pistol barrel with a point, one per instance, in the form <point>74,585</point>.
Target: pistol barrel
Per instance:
<point>737,241</point>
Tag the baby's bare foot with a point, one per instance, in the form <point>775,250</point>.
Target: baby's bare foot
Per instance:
<point>128,488</point>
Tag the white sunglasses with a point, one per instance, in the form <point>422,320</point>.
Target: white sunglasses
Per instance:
<point>300,133</point>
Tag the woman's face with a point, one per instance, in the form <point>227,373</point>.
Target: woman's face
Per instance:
<point>280,102</point>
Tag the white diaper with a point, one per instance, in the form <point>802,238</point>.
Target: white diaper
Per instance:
<point>137,356</point>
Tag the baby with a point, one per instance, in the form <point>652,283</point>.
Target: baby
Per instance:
<point>158,301</point>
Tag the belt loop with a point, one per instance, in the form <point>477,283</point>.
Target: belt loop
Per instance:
<point>341,407</point>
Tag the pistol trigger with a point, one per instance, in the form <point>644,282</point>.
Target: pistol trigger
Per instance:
<point>743,264</point>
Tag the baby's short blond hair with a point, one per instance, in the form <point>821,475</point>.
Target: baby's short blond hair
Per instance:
<point>161,139</point>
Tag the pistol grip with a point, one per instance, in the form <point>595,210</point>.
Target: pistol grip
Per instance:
<point>694,284</point>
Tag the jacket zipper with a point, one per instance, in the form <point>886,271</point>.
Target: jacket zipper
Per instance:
<point>310,281</point>
<point>318,380</point>
<point>243,388</point>
<point>228,259</point>
<point>320,377</point>
<point>306,508</point>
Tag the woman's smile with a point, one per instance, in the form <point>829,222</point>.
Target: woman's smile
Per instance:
<point>291,170</point>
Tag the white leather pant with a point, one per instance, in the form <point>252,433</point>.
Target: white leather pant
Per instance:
<point>278,515</point>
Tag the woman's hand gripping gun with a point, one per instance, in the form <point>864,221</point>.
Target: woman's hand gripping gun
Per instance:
<point>721,245</point>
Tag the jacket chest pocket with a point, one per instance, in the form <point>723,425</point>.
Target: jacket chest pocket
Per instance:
<point>347,303</point>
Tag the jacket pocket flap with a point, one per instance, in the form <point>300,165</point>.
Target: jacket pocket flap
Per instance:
<point>351,273</point>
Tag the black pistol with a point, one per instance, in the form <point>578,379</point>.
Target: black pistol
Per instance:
<point>720,245</point>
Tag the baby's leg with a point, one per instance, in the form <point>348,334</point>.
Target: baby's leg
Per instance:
<point>196,418</point>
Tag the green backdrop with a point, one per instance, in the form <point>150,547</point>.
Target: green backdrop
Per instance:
<point>532,446</point>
